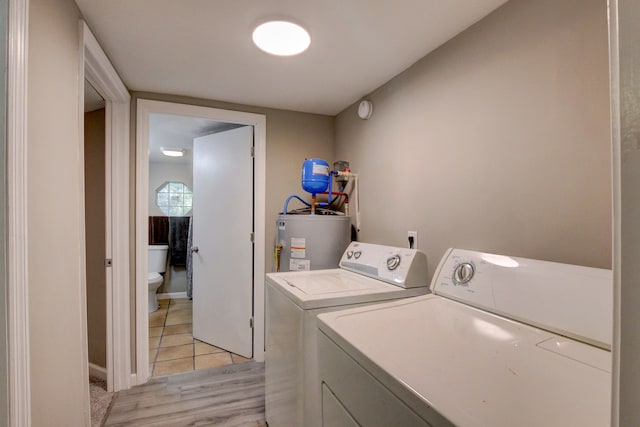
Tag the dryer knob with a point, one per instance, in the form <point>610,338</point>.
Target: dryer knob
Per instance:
<point>463,273</point>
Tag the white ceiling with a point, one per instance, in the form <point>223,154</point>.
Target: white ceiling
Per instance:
<point>203,48</point>
<point>171,131</point>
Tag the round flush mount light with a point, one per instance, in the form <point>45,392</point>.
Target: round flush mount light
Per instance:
<point>282,38</point>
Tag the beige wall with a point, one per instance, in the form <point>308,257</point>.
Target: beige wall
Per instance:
<point>497,141</point>
<point>57,323</point>
<point>94,182</point>
<point>291,137</point>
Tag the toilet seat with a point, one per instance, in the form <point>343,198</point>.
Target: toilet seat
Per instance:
<point>154,278</point>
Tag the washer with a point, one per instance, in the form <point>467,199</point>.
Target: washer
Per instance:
<point>368,273</point>
<point>500,342</point>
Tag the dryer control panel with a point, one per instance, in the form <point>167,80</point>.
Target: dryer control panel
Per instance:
<point>402,267</point>
<point>572,300</point>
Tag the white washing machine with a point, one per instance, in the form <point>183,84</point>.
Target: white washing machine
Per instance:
<point>368,273</point>
<point>500,342</point>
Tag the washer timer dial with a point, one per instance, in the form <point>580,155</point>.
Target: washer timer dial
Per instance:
<point>463,273</point>
<point>393,262</point>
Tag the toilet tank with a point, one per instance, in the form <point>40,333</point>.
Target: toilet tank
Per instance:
<point>157,258</point>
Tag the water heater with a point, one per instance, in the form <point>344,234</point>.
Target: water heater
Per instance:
<point>311,242</point>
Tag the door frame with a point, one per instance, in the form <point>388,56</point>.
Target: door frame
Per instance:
<point>18,357</point>
<point>98,70</point>
<point>144,109</point>
<point>106,80</point>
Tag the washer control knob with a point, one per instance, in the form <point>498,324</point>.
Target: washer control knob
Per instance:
<point>357,254</point>
<point>393,262</point>
<point>463,273</point>
<point>349,254</point>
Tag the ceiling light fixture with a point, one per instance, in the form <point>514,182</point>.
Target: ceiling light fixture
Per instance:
<point>173,152</point>
<point>281,38</point>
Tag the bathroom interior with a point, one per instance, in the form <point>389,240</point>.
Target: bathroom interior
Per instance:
<point>172,348</point>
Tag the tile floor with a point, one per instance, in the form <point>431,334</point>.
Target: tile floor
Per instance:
<point>172,348</point>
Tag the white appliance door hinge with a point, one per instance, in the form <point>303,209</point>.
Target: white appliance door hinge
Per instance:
<point>251,322</point>
<point>252,237</point>
<point>253,151</point>
<point>108,262</point>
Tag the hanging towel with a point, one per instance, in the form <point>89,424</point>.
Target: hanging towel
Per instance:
<point>158,230</point>
<point>190,260</point>
<point>178,234</point>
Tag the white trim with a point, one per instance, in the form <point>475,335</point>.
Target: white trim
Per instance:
<point>99,71</point>
<point>97,371</point>
<point>142,239</point>
<point>104,78</point>
<point>17,262</point>
<point>616,145</point>
<point>172,295</point>
<point>82,246</point>
<point>258,121</point>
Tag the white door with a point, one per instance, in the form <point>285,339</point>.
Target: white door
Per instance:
<point>222,227</point>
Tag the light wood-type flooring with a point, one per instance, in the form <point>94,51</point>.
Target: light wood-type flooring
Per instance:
<point>226,396</point>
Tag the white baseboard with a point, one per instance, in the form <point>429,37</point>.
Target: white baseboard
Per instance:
<point>97,371</point>
<point>134,379</point>
<point>172,295</point>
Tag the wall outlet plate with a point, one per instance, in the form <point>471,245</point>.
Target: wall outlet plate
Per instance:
<point>412,235</point>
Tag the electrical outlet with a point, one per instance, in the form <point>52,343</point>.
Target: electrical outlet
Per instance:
<point>412,239</point>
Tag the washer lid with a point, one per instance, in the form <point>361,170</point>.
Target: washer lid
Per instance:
<point>331,282</point>
<point>326,288</point>
<point>475,368</point>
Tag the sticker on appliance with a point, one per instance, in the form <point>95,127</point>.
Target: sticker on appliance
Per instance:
<point>299,265</point>
<point>320,169</point>
<point>298,247</point>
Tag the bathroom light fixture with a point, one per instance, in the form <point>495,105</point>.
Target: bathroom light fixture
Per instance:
<point>281,38</point>
<point>173,152</point>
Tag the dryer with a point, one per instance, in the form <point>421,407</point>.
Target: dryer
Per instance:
<point>368,274</point>
<point>501,342</point>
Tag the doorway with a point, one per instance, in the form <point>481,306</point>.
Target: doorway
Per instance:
<point>95,236</point>
<point>101,76</point>
<point>146,111</point>
<point>200,312</point>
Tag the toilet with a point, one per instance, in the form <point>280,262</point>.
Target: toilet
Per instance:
<point>157,262</point>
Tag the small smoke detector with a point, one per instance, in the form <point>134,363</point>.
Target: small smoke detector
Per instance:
<point>365,109</point>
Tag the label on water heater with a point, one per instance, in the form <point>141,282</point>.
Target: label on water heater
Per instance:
<point>298,247</point>
<point>320,170</point>
<point>299,265</point>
